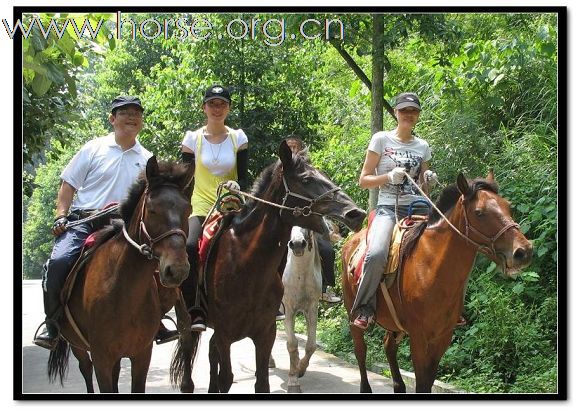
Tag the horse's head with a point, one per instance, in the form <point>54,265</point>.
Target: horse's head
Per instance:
<point>314,194</point>
<point>489,223</point>
<point>166,209</point>
<point>300,239</point>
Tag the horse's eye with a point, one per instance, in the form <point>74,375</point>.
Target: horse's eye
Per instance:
<point>306,180</point>
<point>479,212</point>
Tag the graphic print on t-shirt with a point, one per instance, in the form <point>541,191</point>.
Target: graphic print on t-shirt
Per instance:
<point>404,159</point>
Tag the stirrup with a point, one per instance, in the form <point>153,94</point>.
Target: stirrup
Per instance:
<point>169,338</point>
<point>281,315</point>
<point>166,317</point>
<point>200,313</point>
<point>40,343</point>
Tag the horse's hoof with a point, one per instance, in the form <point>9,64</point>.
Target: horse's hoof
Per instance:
<point>294,389</point>
<point>186,389</point>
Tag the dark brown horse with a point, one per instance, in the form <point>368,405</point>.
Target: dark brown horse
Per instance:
<point>428,296</point>
<point>244,289</point>
<point>115,301</point>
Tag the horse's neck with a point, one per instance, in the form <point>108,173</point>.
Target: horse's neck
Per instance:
<point>264,219</point>
<point>450,256</point>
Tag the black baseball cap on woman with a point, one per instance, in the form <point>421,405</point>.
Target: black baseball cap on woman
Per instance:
<point>407,99</point>
<point>217,92</point>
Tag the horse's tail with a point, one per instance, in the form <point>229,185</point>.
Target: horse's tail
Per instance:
<point>184,357</point>
<point>58,361</point>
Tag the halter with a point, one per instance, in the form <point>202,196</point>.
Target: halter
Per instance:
<point>305,210</point>
<point>491,240</point>
<point>147,248</point>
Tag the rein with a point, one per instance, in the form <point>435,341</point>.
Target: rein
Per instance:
<point>296,211</point>
<point>480,247</point>
<point>147,248</point>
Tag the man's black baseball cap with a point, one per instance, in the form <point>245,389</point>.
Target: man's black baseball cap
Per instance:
<point>121,101</point>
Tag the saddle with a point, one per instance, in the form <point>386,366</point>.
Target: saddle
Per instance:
<point>89,247</point>
<point>394,261</point>
<point>356,260</point>
<point>213,228</point>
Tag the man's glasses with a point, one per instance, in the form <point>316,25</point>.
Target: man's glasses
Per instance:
<point>130,113</point>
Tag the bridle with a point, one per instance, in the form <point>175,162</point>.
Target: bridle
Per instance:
<point>305,210</point>
<point>491,240</point>
<point>147,248</point>
<point>489,250</point>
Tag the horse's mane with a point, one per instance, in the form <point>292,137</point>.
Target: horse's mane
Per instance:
<point>445,203</point>
<point>272,173</point>
<point>169,173</point>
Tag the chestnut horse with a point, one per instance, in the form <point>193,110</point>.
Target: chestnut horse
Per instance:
<point>244,288</point>
<point>428,294</point>
<point>115,302</point>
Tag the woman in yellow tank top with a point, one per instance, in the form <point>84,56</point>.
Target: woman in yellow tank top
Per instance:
<point>220,155</point>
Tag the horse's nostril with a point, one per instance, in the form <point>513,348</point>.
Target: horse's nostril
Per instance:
<point>521,255</point>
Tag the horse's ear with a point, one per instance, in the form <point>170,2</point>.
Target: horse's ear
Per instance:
<point>462,184</point>
<point>152,168</point>
<point>490,177</point>
<point>285,154</point>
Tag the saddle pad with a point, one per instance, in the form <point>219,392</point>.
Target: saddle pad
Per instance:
<point>90,241</point>
<point>209,230</point>
<point>356,261</point>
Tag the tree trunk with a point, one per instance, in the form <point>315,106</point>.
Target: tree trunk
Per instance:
<point>377,89</point>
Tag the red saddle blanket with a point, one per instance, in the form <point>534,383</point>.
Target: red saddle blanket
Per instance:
<point>210,228</point>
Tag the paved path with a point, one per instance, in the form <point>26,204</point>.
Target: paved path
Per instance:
<point>326,374</point>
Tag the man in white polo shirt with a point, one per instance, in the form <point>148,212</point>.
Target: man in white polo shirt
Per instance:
<point>99,174</point>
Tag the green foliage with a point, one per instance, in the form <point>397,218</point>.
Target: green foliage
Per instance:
<point>51,66</point>
<point>37,238</point>
<point>488,83</point>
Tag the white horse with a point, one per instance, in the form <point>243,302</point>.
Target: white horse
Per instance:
<point>302,280</point>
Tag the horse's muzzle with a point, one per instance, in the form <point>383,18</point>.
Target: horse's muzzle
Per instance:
<point>172,275</point>
<point>354,219</point>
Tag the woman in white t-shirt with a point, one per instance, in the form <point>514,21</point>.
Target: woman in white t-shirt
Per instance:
<point>220,155</point>
<point>389,155</point>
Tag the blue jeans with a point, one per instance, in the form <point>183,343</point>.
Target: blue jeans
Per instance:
<point>379,239</point>
<point>66,250</point>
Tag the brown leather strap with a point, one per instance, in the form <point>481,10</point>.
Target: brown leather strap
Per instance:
<point>391,307</point>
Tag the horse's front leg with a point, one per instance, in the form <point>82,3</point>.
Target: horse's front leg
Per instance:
<point>225,377</point>
<point>139,368</point>
<point>391,346</point>
<point>104,365</point>
<point>426,357</point>
<point>360,351</point>
<point>214,363</point>
<point>292,346</point>
<point>85,366</point>
<point>311,316</point>
<point>264,344</point>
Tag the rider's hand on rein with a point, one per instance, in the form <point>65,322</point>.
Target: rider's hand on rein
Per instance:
<point>59,225</point>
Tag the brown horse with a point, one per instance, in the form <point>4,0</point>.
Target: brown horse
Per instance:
<point>428,295</point>
<point>115,302</point>
<point>244,289</point>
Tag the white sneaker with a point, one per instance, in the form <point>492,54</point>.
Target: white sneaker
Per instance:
<point>330,297</point>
